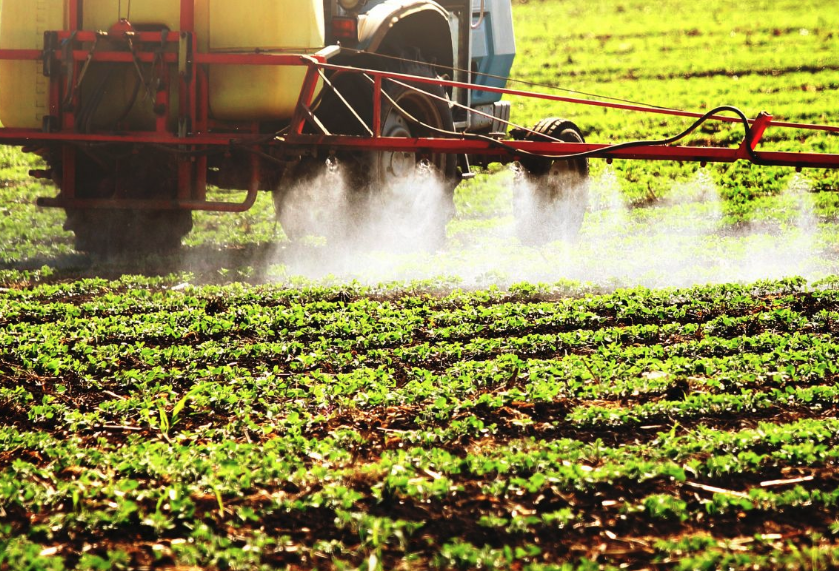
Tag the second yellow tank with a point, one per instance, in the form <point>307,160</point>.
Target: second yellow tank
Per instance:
<point>241,93</point>
<point>24,95</point>
<point>251,92</point>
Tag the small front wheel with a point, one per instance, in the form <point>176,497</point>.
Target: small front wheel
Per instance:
<point>551,197</point>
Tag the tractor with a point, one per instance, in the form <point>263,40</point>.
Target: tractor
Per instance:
<point>113,93</point>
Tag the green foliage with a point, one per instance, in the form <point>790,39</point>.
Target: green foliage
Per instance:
<point>151,423</point>
<point>452,429</point>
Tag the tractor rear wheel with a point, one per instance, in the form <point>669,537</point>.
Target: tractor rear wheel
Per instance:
<point>552,202</point>
<point>117,232</point>
<point>418,191</point>
<point>406,195</point>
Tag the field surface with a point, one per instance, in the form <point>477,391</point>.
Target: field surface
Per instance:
<point>255,404</point>
<point>238,427</point>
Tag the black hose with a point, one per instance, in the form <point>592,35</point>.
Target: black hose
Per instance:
<point>656,143</point>
<point>599,152</point>
<point>131,102</point>
<point>85,117</point>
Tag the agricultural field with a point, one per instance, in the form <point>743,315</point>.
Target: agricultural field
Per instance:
<point>149,424</point>
<point>661,394</point>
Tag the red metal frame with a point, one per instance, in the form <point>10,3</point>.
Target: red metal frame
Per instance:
<point>197,131</point>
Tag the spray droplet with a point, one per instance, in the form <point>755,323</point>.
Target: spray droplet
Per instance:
<point>518,170</point>
<point>332,164</point>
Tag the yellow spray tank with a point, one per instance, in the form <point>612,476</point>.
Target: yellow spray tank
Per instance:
<point>118,82</point>
<point>102,14</point>
<point>259,92</point>
<point>240,93</point>
<point>24,91</point>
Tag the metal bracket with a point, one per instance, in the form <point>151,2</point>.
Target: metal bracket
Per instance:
<point>50,45</point>
<point>185,56</point>
<point>756,131</point>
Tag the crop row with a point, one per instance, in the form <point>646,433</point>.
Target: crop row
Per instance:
<point>245,426</point>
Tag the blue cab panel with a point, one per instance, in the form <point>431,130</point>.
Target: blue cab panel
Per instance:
<point>493,47</point>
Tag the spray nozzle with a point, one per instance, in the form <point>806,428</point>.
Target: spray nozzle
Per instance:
<point>331,164</point>
<point>424,165</point>
<point>517,169</point>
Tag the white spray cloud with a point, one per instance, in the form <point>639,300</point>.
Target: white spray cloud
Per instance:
<point>789,246</point>
<point>316,199</point>
<point>404,216</point>
<point>680,241</point>
<point>359,232</point>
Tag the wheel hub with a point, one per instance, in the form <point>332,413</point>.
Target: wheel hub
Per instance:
<point>397,165</point>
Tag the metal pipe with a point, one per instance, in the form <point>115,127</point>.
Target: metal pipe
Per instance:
<point>509,148</point>
<point>105,204</point>
<point>187,15</point>
<point>74,15</point>
<point>481,19</point>
<point>22,55</point>
<point>377,107</point>
<point>560,98</point>
<point>455,145</point>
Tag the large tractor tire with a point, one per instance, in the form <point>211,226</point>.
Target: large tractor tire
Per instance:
<point>115,232</point>
<point>126,232</point>
<point>383,185</point>
<point>552,202</point>
<point>311,200</point>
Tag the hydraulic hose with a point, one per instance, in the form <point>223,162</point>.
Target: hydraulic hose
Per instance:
<point>744,120</point>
